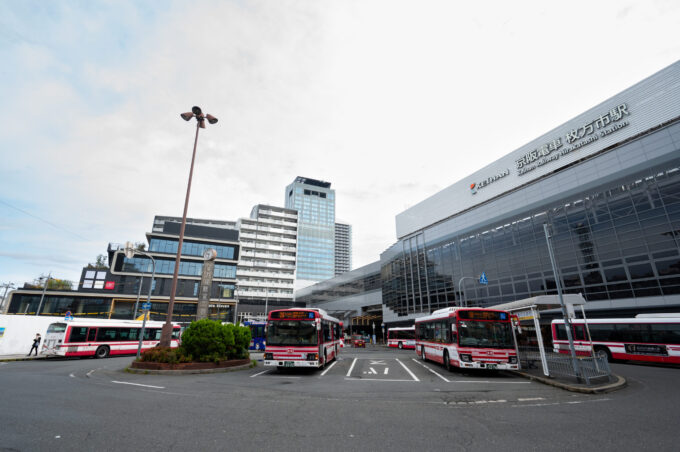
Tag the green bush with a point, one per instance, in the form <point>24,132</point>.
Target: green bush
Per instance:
<point>208,340</point>
<point>165,355</point>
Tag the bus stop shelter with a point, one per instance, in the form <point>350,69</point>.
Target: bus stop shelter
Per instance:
<point>530,308</point>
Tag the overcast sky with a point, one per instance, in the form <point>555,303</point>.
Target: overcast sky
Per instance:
<point>390,101</point>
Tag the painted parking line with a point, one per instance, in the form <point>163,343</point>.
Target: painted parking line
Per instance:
<point>408,370</point>
<point>428,368</point>
<point>329,368</point>
<point>471,381</point>
<point>263,372</point>
<point>349,372</point>
<point>137,384</point>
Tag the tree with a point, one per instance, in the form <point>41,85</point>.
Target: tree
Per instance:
<point>140,246</point>
<point>99,264</point>
<point>53,284</point>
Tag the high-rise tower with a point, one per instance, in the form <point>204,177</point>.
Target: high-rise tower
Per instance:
<point>343,248</point>
<point>315,202</point>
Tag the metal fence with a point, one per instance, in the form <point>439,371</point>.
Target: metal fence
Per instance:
<point>592,369</point>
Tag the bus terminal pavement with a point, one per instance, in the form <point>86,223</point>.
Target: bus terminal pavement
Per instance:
<point>616,381</point>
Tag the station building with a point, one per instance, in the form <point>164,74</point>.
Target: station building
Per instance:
<point>607,184</point>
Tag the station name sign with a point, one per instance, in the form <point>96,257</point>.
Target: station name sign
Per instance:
<point>602,126</point>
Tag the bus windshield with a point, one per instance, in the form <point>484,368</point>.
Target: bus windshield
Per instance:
<point>485,334</point>
<point>291,332</point>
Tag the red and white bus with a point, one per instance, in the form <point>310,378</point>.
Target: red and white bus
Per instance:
<point>401,337</point>
<point>476,338</point>
<point>101,338</point>
<point>651,339</point>
<point>301,338</point>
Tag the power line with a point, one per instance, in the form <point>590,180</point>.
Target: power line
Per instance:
<point>43,220</point>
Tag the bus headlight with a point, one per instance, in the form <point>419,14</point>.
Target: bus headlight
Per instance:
<point>512,360</point>
<point>269,356</point>
<point>466,358</point>
<point>312,356</point>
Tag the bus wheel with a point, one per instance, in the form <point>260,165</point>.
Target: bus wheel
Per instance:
<point>422,353</point>
<point>603,352</point>
<point>102,352</point>
<point>400,345</point>
<point>447,361</point>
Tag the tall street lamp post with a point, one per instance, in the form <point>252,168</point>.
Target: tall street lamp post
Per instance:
<point>463,292</point>
<point>197,113</point>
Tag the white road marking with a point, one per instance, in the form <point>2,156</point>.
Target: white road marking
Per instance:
<point>137,384</point>
<point>528,399</point>
<point>263,372</point>
<point>386,369</point>
<point>374,363</point>
<point>90,373</point>
<point>329,368</point>
<point>378,379</point>
<point>349,372</point>
<point>426,367</point>
<point>71,375</point>
<point>408,370</point>
<point>373,371</point>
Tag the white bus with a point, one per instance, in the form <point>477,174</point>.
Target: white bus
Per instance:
<point>402,337</point>
<point>101,338</point>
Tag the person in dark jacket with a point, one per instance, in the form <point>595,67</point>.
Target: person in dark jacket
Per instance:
<point>36,343</point>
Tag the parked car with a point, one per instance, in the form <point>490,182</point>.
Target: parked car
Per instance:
<point>358,341</point>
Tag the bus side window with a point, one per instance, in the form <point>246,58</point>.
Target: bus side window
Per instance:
<point>92,334</point>
<point>580,333</point>
<point>78,334</point>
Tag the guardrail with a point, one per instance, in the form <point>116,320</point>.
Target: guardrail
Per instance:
<point>593,369</point>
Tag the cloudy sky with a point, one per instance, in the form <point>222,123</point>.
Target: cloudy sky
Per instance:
<point>390,101</point>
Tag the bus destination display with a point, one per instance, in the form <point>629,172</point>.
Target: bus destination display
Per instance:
<point>482,315</point>
<point>292,315</point>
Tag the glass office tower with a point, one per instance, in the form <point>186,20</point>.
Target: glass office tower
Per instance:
<point>315,202</point>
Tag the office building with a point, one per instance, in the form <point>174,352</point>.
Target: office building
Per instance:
<point>314,201</point>
<point>343,248</point>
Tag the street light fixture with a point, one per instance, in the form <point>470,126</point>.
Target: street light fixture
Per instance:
<point>459,286</point>
<point>130,253</point>
<point>196,112</point>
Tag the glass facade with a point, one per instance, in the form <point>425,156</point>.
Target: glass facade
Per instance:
<point>190,248</point>
<point>167,267</point>
<point>315,203</point>
<point>617,242</point>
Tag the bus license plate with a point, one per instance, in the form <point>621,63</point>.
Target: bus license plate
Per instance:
<point>288,364</point>
<point>490,366</point>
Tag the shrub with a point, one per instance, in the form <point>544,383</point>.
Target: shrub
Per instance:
<point>165,355</point>
<point>208,340</point>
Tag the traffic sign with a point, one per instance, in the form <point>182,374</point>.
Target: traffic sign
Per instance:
<point>146,306</point>
<point>482,279</point>
<point>68,316</point>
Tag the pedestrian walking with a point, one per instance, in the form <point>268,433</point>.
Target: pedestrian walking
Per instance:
<point>36,343</point>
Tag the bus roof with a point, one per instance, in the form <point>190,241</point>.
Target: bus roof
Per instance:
<point>624,320</point>
<point>448,312</point>
<point>402,328</point>
<point>112,322</point>
<point>321,313</point>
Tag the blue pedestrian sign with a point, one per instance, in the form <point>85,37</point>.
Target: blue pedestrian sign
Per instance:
<point>68,316</point>
<point>482,279</point>
<point>146,306</point>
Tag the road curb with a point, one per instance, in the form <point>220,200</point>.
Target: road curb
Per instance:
<point>189,371</point>
<point>618,384</point>
<point>7,360</point>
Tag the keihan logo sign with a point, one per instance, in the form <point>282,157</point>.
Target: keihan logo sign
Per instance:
<point>489,180</point>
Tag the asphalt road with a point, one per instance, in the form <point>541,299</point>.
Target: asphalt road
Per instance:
<point>368,400</point>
